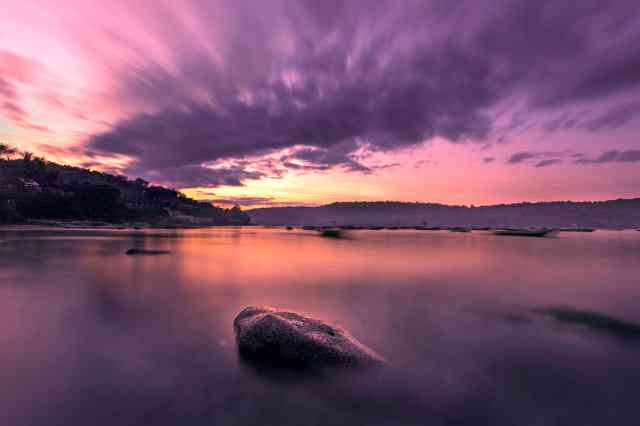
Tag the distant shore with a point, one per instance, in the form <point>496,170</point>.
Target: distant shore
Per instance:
<point>612,214</point>
<point>84,224</point>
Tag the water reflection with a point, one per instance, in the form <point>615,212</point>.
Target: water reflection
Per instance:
<point>92,336</point>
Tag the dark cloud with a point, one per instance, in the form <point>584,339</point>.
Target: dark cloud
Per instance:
<point>198,175</point>
<point>385,166</point>
<point>323,158</point>
<point>614,118</point>
<point>325,79</point>
<point>519,157</point>
<point>488,159</point>
<point>612,156</point>
<point>550,162</point>
<point>563,122</point>
<point>545,158</point>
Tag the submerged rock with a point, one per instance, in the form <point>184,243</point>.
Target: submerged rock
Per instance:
<point>332,233</point>
<point>524,232</point>
<point>142,252</point>
<point>270,337</point>
<point>594,320</point>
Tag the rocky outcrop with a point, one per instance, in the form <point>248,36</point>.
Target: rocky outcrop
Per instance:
<point>272,337</point>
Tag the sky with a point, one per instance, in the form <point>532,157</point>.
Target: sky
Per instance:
<point>282,102</point>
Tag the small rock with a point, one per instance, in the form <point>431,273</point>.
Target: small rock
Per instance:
<point>142,252</point>
<point>332,233</point>
<point>270,337</point>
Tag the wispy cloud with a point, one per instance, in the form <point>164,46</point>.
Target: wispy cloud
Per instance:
<point>17,72</point>
<point>614,118</point>
<point>550,162</point>
<point>542,158</point>
<point>612,156</point>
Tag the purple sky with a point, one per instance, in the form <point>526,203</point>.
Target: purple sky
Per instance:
<point>275,102</point>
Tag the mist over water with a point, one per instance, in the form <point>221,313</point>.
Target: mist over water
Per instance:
<point>89,335</point>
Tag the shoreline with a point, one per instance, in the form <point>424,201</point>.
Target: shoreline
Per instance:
<point>83,224</point>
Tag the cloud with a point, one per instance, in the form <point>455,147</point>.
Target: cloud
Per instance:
<point>325,158</point>
<point>18,68</point>
<point>546,158</point>
<point>550,162</point>
<point>488,159</point>
<point>201,176</point>
<point>326,79</point>
<point>418,164</point>
<point>520,157</point>
<point>563,122</point>
<point>385,166</point>
<point>612,156</point>
<point>17,71</point>
<point>614,118</point>
<point>11,105</point>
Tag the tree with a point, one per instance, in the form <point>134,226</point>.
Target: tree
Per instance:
<point>45,206</point>
<point>7,151</point>
<point>142,182</point>
<point>98,202</point>
<point>238,216</point>
<point>34,166</point>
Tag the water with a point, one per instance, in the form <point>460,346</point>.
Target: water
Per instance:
<point>89,335</point>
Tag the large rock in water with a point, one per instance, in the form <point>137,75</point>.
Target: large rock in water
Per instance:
<point>270,337</point>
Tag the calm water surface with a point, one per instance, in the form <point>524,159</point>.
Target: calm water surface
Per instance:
<point>90,336</point>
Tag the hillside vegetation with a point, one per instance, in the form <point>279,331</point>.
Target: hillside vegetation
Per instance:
<point>32,188</point>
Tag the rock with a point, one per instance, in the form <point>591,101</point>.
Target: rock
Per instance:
<point>332,233</point>
<point>270,337</point>
<point>142,252</point>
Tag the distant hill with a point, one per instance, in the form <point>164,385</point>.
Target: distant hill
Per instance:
<point>32,188</point>
<point>614,214</point>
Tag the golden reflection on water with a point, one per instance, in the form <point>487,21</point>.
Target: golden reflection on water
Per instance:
<point>304,271</point>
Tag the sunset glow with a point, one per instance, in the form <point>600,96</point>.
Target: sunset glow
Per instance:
<point>306,103</point>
